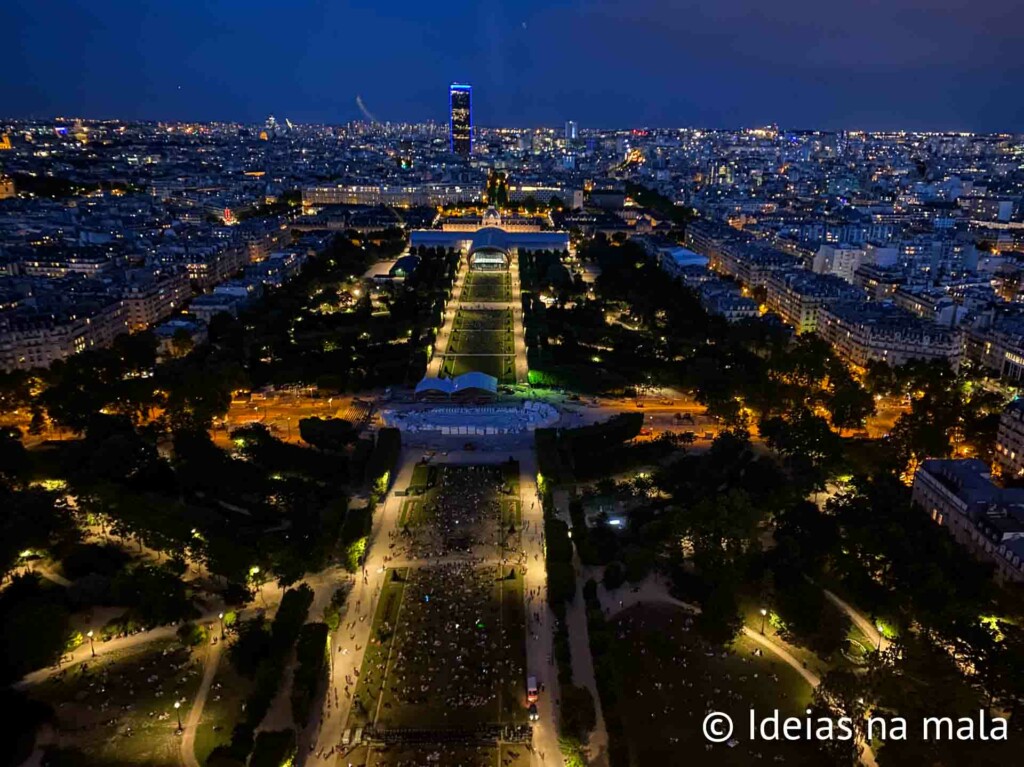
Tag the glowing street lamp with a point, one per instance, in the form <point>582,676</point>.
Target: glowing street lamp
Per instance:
<point>764,614</point>
<point>254,571</point>
<point>221,617</point>
<point>177,710</point>
<point>92,644</point>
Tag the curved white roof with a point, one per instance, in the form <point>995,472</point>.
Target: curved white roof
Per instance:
<point>445,385</point>
<point>475,380</point>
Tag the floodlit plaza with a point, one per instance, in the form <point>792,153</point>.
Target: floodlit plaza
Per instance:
<point>474,420</point>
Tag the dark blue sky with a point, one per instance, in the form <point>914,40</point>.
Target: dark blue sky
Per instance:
<point>874,64</point>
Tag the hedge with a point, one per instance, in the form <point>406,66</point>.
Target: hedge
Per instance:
<point>384,457</point>
<point>284,630</point>
<point>273,748</point>
<point>311,657</point>
<point>601,639</point>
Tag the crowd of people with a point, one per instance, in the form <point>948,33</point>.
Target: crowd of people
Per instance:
<point>463,514</point>
<point>452,654</point>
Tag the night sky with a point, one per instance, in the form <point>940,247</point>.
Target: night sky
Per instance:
<point>872,64</point>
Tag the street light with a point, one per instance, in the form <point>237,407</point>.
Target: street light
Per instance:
<point>764,614</point>
<point>879,627</point>
<point>92,645</point>
<point>221,617</point>
<point>177,710</point>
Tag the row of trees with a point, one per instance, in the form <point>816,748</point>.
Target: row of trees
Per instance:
<point>259,653</point>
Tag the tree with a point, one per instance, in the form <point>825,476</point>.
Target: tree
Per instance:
<point>333,434</point>
<point>14,462</point>
<point>720,528</point>
<point>34,627</point>
<point>719,621</point>
<point>192,634</point>
<point>850,404</point>
<point>614,576</point>
<point>181,342</point>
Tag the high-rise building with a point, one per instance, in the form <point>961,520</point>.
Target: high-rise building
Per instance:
<point>460,126</point>
<point>572,130</point>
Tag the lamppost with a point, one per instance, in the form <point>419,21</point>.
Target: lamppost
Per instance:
<point>878,626</point>
<point>177,710</point>
<point>221,617</point>
<point>764,614</point>
<point>92,644</point>
<point>254,571</point>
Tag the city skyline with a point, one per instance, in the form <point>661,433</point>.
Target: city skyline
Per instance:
<point>897,68</point>
<point>576,384</point>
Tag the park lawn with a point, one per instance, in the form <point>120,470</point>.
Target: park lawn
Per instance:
<point>667,680</point>
<point>414,510</point>
<point>502,368</point>
<point>385,620</point>
<point>424,477</point>
<point>485,288</point>
<point>481,342</point>
<point>514,755</point>
<point>118,709</point>
<point>492,618</point>
<point>512,702</point>
<point>223,709</point>
<point>511,513</point>
<point>483,319</point>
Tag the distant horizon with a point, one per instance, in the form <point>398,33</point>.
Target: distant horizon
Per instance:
<point>442,122</point>
<point>873,66</point>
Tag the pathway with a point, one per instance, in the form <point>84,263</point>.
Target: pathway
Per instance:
<point>583,665</point>
<point>195,714</point>
<point>654,590</point>
<point>540,636</point>
<point>348,643</point>
<point>867,628</point>
<point>451,308</point>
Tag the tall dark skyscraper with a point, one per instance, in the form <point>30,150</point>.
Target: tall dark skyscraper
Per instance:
<point>460,124</point>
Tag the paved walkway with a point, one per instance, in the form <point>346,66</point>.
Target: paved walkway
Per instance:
<point>867,628</point>
<point>195,713</point>
<point>451,308</point>
<point>348,643</point>
<point>540,635</point>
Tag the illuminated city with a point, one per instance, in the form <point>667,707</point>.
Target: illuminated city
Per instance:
<point>515,403</point>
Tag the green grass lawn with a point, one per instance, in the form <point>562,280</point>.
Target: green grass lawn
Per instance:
<point>512,702</point>
<point>481,342</point>
<point>223,709</point>
<point>502,368</point>
<point>385,619</point>
<point>481,287</point>
<point>668,679</point>
<point>117,710</point>
<point>483,319</point>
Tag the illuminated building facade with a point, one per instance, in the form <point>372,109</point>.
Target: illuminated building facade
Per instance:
<point>460,125</point>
